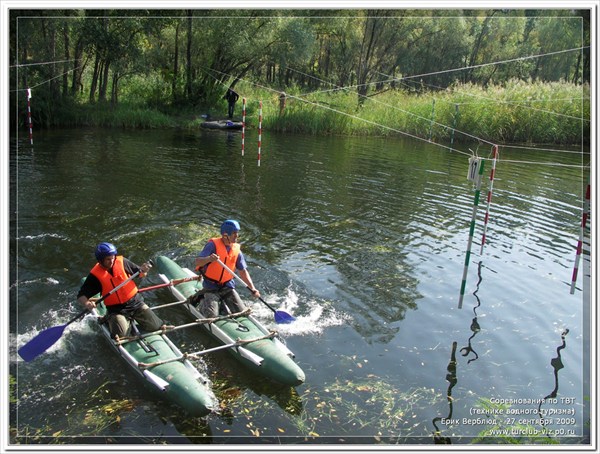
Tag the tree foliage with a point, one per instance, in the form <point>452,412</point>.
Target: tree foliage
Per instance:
<point>173,58</point>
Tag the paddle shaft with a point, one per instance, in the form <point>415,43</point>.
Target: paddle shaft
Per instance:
<point>47,338</point>
<point>199,321</point>
<point>195,355</point>
<point>99,300</point>
<point>130,278</point>
<point>245,285</point>
<point>168,284</point>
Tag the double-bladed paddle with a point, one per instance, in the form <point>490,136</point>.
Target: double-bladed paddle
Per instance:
<point>280,316</point>
<point>47,338</point>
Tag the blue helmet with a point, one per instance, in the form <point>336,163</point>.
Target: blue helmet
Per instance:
<point>104,250</point>
<point>230,226</point>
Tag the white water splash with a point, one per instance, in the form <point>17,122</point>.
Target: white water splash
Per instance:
<point>41,236</point>
<point>312,317</point>
<point>42,280</point>
<point>58,350</point>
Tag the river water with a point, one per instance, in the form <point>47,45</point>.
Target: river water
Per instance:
<point>362,239</point>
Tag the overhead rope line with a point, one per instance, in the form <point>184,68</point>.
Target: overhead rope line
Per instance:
<point>482,65</point>
<point>529,107</point>
<point>388,127</point>
<point>49,80</point>
<point>542,149</point>
<point>409,113</point>
<point>346,114</point>
<point>507,102</point>
<point>43,63</point>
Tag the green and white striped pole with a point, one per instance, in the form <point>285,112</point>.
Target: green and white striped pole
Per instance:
<point>471,233</point>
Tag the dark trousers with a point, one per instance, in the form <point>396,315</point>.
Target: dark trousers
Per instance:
<point>218,302</point>
<point>230,109</point>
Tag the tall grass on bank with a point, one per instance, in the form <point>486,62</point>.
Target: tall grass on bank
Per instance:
<point>518,112</point>
<point>104,115</point>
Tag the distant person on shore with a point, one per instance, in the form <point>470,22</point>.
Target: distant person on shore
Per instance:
<point>231,96</point>
<point>282,98</point>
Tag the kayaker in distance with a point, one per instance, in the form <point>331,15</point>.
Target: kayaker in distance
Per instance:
<point>218,294</point>
<point>124,304</point>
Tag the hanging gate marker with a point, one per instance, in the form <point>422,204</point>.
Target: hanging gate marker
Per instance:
<point>259,130</point>
<point>243,123</point>
<point>475,174</point>
<point>454,121</point>
<point>489,196</point>
<point>586,210</point>
<point>29,116</point>
<point>432,119</point>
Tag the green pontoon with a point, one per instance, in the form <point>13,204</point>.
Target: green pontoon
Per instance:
<point>268,357</point>
<point>177,381</point>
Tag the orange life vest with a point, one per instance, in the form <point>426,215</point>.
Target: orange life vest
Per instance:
<point>110,281</point>
<point>214,271</point>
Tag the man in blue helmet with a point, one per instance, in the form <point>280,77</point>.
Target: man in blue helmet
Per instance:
<point>124,304</point>
<point>218,294</point>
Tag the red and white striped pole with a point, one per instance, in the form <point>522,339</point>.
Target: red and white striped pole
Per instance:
<point>243,123</point>
<point>489,196</point>
<point>29,116</point>
<point>259,130</point>
<point>586,210</point>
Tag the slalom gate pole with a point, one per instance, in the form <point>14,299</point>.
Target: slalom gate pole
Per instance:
<point>489,196</point>
<point>243,123</point>
<point>29,116</point>
<point>454,121</point>
<point>471,232</point>
<point>432,119</point>
<point>586,210</point>
<point>259,130</point>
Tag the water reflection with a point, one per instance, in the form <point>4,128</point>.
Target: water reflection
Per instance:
<point>341,231</point>
<point>557,365</point>
<point>452,380</point>
<point>234,396</point>
<point>380,289</point>
<point>233,142</point>
<point>475,327</point>
<point>452,365</point>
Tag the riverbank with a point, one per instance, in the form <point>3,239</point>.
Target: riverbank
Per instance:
<point>520,112</point>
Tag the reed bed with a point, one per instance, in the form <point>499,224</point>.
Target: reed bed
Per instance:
<point>520,112</point>
<point>517,112</point>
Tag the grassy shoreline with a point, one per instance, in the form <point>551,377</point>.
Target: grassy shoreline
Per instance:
<point>520,112</point>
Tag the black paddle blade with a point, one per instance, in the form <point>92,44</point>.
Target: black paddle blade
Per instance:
<point>40,343</point>
<point>283,317</point>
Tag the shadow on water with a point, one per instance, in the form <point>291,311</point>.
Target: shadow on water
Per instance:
<point>475,327</point>
<point>557,365</point>
<point>452,379</point>
<point>451,376</point>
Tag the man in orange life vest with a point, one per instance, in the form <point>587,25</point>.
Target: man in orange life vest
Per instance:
<point>124,304</point>
<point>218,285</point>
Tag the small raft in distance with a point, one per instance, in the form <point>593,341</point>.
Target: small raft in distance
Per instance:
<point>222,124</point>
